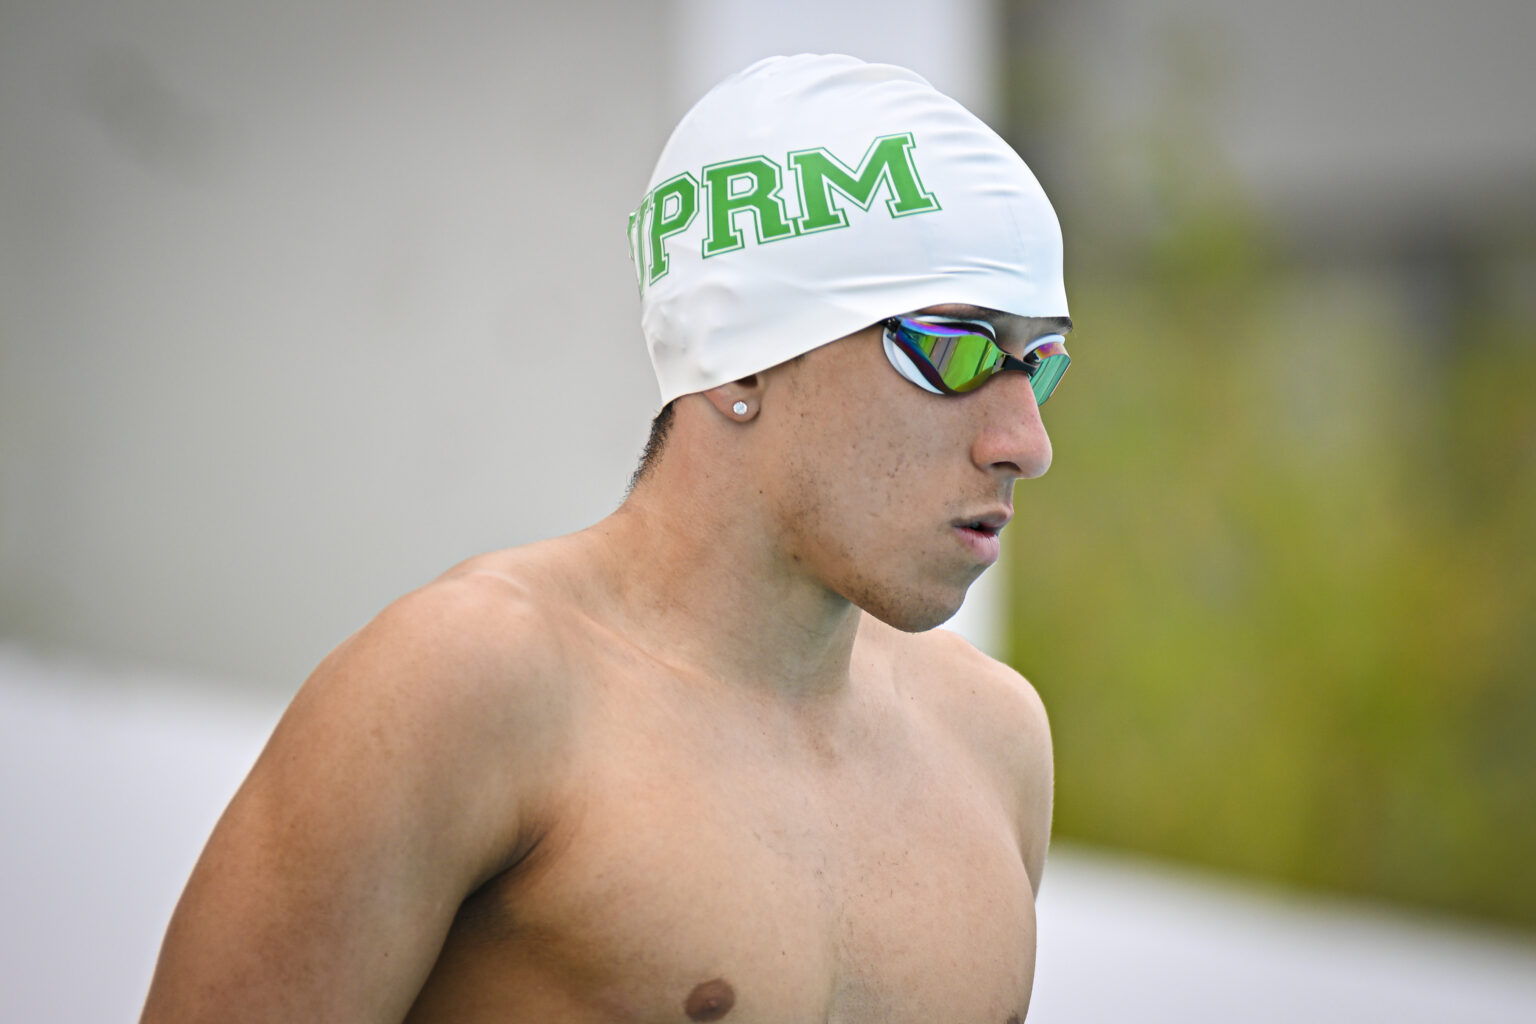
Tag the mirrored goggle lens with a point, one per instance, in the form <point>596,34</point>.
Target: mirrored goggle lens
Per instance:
<point>1051,352</point>
<point>961,360</point>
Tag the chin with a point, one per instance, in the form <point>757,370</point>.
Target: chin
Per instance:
<point>911,613</point>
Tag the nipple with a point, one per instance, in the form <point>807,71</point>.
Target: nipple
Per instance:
<point>710,1000</point>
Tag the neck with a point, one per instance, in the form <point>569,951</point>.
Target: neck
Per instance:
<point>701,583</point>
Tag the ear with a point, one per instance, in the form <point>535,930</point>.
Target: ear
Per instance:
<point>739,400</point>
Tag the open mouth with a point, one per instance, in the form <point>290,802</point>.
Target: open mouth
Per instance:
<point>988,525</point>
<point>979,537</point>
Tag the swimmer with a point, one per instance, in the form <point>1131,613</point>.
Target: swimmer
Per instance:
<point>708,759</point>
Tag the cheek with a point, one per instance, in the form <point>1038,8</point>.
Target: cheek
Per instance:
<point>910,449</point>
<point>852,492</point>
<point>861,449</point>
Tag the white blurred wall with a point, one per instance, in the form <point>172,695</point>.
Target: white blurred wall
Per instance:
<point>301,302</point>
<point>952,44</point>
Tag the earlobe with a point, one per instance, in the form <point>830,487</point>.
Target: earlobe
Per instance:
<point>739,400</point>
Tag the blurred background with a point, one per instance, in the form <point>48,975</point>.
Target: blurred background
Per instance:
<point>274,285</point>
<point>1282,593</point>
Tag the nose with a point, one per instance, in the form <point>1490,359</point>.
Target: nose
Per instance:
<point>1011,439</point>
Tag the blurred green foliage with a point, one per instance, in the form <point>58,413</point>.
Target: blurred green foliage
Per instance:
<point>1280,590</point>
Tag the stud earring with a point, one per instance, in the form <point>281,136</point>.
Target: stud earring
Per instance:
<point>740,408</point>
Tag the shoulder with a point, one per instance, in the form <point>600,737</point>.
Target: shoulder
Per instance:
<point>484,643</point>
<point>473,634</point>
<point>478,630</point>
<point>991,712</point>
<point>982,697</point>
<point>421,759</point>
<point>454,692</point>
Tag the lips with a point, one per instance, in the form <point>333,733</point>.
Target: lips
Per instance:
<point>990,523</point>
<point>979,534</point>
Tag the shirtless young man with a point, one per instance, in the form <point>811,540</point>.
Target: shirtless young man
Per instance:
<point>705,760</point>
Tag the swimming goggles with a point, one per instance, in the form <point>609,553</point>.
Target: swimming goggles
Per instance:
<point>951,357</point>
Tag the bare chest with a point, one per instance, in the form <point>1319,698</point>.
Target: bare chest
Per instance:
<point>685,883</point>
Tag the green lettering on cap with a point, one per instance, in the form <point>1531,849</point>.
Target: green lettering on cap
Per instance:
<point>672,206</point>
<point>888,162</point>
<point>636,239</point>
<point>751,186</point>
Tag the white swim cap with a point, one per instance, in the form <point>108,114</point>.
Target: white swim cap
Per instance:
<point>806,198</point>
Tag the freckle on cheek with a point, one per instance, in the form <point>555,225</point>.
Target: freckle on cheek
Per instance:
<point>710,1000</point>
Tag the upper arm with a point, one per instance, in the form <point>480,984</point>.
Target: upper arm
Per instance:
<point>1004,723</point>
<point>1034,773</point>
<point>408,770</point>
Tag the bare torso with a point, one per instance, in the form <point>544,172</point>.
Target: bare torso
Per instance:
<point>502,801</point>
<point>712,851</point>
